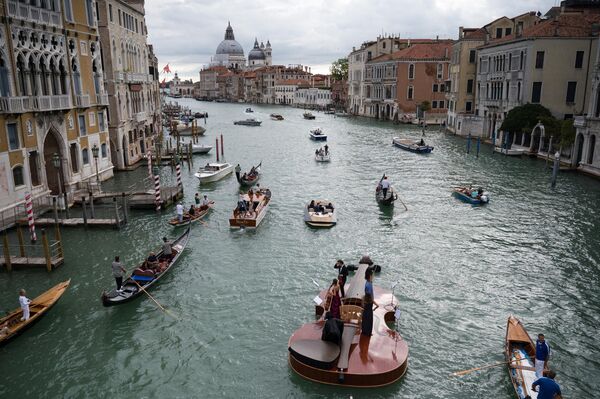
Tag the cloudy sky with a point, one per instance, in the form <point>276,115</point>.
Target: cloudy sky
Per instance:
<point>185,33</point>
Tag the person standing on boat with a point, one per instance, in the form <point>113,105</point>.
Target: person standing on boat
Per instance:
<point>548,388</point>
<point>542,354</point>
<point>205,203</point>
<point>342,275</point>
<point>197,199</point>
<point>167,249</point>
<point>24,302</point>
<point>385,186</point>
<point>238,170</point>
<point>334,293</point>
<point>118,271</point>
<point>326,149</point>
<point>179,210</point>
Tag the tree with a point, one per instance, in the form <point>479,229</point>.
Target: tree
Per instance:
<point>339,69</point>
<point>567,133</point>
<point>422,108</point>
<point>525,117</point>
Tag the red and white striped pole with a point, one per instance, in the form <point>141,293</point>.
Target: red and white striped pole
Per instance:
<point>178,171</point>
<point>157,192</point>
<point>149,156</point>
<point>29,209</point>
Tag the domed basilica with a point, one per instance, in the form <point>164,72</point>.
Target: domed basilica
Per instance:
<point>231,54</point>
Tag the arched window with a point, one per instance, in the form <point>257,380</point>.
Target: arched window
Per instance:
<point>76,78</point>
<point>85,156</point>
<point>21,84</point>
<point>592,146</point>
<point>32,77</point>
<point>44,77</point>
<point>18,176</point>
<point>63,78</point>
<point>4,81</point>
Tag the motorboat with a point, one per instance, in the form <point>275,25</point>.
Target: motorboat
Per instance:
<point>212,172</point>
<point>248,110</point>
<point>411,145</point>
<point>308,115</point>
<point>471,195</point>
<point>276,117</point>
<point>186,130</point>
<point>248,122</point>
<point>199,115</point>
<point>322,156</point>
<point>320,213</point>
<point>201,148</point>
<point>318,135</point>
<point>251,209</point>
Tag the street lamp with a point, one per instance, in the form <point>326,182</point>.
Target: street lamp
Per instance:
<point>57,161</point>
<point>95,150</point>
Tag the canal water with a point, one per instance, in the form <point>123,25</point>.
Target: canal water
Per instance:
<point>237,296</point>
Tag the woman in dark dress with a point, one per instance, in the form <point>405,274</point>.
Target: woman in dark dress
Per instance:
<point>334,292</point>
<point>367,316</point>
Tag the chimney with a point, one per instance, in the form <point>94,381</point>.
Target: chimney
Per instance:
<point>461,32</point>
<point>487,37</point>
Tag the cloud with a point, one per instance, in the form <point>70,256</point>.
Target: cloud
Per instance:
<point>186,33</point>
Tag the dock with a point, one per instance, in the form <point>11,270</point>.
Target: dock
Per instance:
<point>44,253</point>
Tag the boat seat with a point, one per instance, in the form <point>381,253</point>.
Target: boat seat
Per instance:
<point>347,338</point>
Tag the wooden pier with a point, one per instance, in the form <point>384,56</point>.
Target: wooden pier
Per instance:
<point>48,254</point>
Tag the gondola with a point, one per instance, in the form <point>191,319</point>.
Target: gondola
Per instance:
<point>131,286</point>
<point>390,197</point>
<point>250,178</point>
<point>37,308</point>
<point>519,353</point>
<point>198,215</point>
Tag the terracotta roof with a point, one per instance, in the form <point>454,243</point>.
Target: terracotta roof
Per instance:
<point>295,82</point>
<point>475,34</point>
<point>564,25</point>
<point>420,51</point>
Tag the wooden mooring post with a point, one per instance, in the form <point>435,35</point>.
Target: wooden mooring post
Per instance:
<point>7,261</point>
<point>92,213</point>
<point>46,251</point>
<point>116,205</point>
<point>21,242</point>
<point>124,205</point>
<point>84,210</point>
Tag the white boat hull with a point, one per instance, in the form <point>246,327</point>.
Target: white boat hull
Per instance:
<point>323,158</point>
<point>213,177</point>
<point>318,219</point>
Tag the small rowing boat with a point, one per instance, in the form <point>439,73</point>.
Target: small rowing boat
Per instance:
<point>308,115</point>
<point>320,213</point>
<point>318,135</point>
<point>519,353</point>
<point>250,178</point>
<point>248,122</point>
<point>146,278</point>
<point>276,117</point>
<point>251,209</point>
<point>199,213</point>
<point>411,145</point>
<point>12,325</point>
<point>472,196</point>
<point>212,172</point>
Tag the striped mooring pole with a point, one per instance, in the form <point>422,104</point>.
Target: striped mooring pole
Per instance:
<point>178,172</point>
<point>157,192</point>
<point>149,156</point>
<point>29,209</point>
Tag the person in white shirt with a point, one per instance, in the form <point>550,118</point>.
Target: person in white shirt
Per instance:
<point>205,203</point>
<point>385,185</point>
<point>24,302</point>
<point>179,208</point>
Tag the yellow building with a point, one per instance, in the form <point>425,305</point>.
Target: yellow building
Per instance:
<point>52,100</point>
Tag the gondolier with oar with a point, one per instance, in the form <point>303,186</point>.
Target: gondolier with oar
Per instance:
<point>238,171</point>
<point>385,186</point>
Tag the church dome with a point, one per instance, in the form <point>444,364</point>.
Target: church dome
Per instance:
<point>230,45</point>
<point>256,53</point>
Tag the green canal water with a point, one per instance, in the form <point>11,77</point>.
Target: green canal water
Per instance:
<point>532,252</point>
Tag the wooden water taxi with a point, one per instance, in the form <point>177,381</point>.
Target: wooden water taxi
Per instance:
<point>276,117</point>
<point>186,130</point>
<point>250,178</point>
<point>251,209</point>
<point>199,213</point>
<point>145,278</point>
<point>308,115</point>
<point>358,360</point>
<point>318,135</point>
<point>320,213</point>
<point>411,145</point>
<point>12,325</point>
<point>519,353</point>
<point>511,152</point>
<point>248,122</point>
<point>212,172</point>
<point>472,196</point>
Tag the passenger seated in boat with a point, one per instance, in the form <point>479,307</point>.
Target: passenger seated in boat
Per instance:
<point>316,152</point>
<point>330,207</point>
<point>192,210</point>
<point>311,205</point>
<point>152,261</point>
<point>4,330</point>
<point>244,176</point>
<point>205,203</point>
<point>143,270</point>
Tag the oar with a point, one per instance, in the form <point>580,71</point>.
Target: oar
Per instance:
<point>402,202</point>
<point>463,372</point>
<point>151,297</point>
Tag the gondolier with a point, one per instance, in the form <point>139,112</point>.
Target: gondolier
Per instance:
<point>542,353</point>
<point>238,170</point>
<point>197,199</point>
<point>24,302</point>
<point>179,210</point>
<point>385,186</point>
<point>118,271</point>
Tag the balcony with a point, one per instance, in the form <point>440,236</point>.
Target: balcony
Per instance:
<point>33,14</point>
<point>579,121</point>
<point>102,99</point>
<point>82,101</point>
<point>133,77</point>
<point>18,105</point>
<point>140,117</point>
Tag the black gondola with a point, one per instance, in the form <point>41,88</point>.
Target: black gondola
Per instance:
<point>250,178</point>
<point>130,288</point>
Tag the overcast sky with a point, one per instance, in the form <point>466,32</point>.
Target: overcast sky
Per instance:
<point>186,33</point>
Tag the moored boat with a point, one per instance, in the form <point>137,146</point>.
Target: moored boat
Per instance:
<point>201,148</point>
<point>199,115</point>
<point>276,117</point>
<point>186,130</point>
<point>320,213</point>
<point>411,145</point>
<point>199,213</point>
<point>341,114</point>
<point>512,152</point>
<point>308,115</point>
<point>355,360</point>
<point>318,135</point>
<point>519,353</point>
<point>249,178</point>
<point>248,122</point>
<point>212,172</point>
<point>11,325</point>
<point>145,278</point>
<point>251,209</point>
<point>472,196</point>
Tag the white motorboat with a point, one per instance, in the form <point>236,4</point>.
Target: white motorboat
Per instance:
<point>323,157</point>
<point>318,135</point>
<point>201,149</point>
<point>248,122</point>
<point>319,213</point>
<point>212,172</point>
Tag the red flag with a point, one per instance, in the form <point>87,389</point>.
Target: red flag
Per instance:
<point>166,69</point>
<point>163,84</point>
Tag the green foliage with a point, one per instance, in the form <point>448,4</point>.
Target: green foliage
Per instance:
<point>525,117</point>
<point>339,69</point>
<point>425,106</point>
<point>567,133</point>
